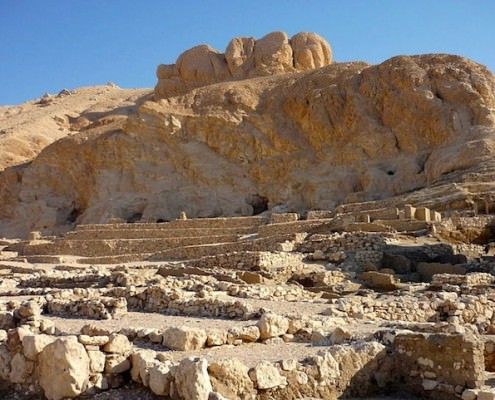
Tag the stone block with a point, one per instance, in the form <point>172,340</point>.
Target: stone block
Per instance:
<point>409,212</point>
<point>423,214</point>
<point>380,281</point>
<point>277,218</point>
<point>184,338</point>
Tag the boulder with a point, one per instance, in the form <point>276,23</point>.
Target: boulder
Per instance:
<point>340,335</point>
<point>272,325</point>
<point>184,338</point>
<point>267,376</point>
<point>273,54</point>
<point>216,337</point>
<point>245,333</point>
<point>95,340</point>
<point>202,65</point>
<point>310,51</point>
<point>142,361</point>
<point>191,379</point>
<point>118,344</point>
<point>244,57</point>
<point>337,336</point>
<point>320,338</point>
<point>231,379</point>
<point>239,56</point>
<point>117,363</point>
<point>160,378</point>
<point>63,368</point>
<point>327,366</point>
<point>251,278</point>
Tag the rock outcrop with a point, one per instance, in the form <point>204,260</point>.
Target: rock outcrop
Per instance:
<point>414,129</point>
<point>244,58</point>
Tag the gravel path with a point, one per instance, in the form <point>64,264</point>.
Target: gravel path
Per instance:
<point>251,353</point>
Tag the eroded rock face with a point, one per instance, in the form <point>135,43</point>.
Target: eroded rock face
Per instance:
<point>310,51</point>
<point>244,58</point>
<point>63,369</point>
<point>404,130</point>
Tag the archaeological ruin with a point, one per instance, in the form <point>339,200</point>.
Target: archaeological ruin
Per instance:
<point>265,224</point>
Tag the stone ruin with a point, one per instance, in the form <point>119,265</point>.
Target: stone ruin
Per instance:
<point>327,305</point>
<point>387,291</point>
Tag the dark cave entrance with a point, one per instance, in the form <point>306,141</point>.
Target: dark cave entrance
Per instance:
<point>74,215</point>
<point>259,203</point>
<point>134,218</point>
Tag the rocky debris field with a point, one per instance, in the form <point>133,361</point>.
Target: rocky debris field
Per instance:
<point>334,312</point>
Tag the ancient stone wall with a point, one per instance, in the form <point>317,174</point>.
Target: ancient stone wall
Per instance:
<point>463,309</point>
<point>439,366</point>
<point>36,359</point>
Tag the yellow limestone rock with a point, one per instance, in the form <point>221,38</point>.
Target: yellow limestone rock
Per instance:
<point>63,368</point>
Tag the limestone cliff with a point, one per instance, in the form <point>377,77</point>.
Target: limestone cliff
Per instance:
<point>418,128</point>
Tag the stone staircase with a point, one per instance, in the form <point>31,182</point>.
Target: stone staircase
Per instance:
<point>170,241</point>
<point>191,239</point>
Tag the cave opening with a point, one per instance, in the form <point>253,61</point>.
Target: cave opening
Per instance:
<point>390,172</point>
<point>74,215</point>
<point>134,218</point>
<point>259,204</point>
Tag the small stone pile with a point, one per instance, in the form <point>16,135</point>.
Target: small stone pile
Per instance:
<point>97,308</point>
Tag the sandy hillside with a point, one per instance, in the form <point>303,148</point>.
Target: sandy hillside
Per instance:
<point>27,128</point>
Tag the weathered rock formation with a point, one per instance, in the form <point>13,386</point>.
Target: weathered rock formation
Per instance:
<point>416,129</point>
<point>244,58</point>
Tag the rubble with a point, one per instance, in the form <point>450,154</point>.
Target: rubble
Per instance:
<point>334,313</point>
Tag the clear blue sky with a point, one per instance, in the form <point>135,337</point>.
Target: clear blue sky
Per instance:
<point>47,45</point>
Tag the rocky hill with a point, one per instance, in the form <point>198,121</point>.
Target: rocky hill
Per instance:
<point>245,57</point>
<point>270,124</point>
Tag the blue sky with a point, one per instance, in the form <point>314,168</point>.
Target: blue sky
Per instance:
<point>49,45</point>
